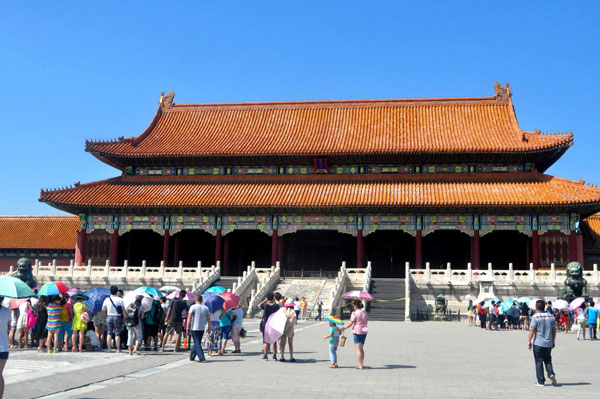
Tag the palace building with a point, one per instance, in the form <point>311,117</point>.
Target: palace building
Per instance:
<point>312,184</point>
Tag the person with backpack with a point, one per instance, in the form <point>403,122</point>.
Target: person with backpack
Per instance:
<point>133,321</point>
<point>151,324</point>
<point>175,320</point>
<point>113,306</point>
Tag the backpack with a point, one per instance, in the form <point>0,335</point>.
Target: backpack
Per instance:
<point>160,315</point>
<point>132,318</point>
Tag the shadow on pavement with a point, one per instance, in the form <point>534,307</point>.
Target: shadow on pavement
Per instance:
<point>566,384</point>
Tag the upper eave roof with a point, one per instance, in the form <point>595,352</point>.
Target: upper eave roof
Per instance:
<point>324,192</point>
<point>482,125</point>
<point>38,232</point>
<point>590,227</point>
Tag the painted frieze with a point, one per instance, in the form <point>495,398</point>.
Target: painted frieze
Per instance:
<point>505,223</point>
<point>292,223</point>
<point>374,223</point>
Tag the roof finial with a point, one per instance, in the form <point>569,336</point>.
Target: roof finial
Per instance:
<point>166,101</point>
<point>502,93</point>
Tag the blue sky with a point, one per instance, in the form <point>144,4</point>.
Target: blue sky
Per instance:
<point>72,71</point>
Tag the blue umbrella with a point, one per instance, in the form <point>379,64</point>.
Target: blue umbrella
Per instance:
<point>523,299</point>
<point>151,291</point>
<point>96,297</point>
<point>488,303</point>
<point>507,304</point>
<point>212,301</point>
<point>217,289</point>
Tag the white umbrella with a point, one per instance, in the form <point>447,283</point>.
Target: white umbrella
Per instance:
<point>129,298</point>
<point>274,326</point>
<point>168,288</point>
<point>560,304</point>
<point>531,303</point>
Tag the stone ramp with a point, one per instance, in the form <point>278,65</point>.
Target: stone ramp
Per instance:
<point>387,289</point>
<point>311,289</point>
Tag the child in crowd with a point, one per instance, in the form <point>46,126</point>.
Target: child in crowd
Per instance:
<point>14,316</point>
<point>334,340</point>
<point>53,323</point>
<point>91,341</point>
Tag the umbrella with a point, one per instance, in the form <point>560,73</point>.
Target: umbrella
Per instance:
<point>334,320</point>
<point>151,291</point>
<point>147,300</point>
<point>531,304</point>
<point>72,292</point>
<point>80,295</point>
<point>55,288</point>
<point>96,297</point>
<point>15,303</point>
<point>212,301</point>
<point>524,299</point>
<point>358,296</point>
<point>168,288</point>
<point>507,304</point>
<point>576,303</point>
<point>597,306</point>
<point>488,303</point>
<point>14,288</point>
<point>189,296</point>
<point>274,326</point>
<point>560,304</point>
<point>217,289</point>
<point>231,300</point>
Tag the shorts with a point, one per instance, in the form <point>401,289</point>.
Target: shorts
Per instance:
<point>3,355</point>
<point>22,321</point>
<point>114,325</point>
<point>360,338</point>
<point>176,326</point>
<point>225,331</point>
<point>150,330</point>
<point>582,323</point>
<point>235,332</point>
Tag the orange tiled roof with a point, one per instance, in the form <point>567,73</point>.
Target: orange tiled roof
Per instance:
<point>530,189</point>
<point>327,128</point>
<point>590,227</point>
<point>38,232</point>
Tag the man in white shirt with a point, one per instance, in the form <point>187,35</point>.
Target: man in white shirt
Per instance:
<point>198,318</point>
<point>115,311</point>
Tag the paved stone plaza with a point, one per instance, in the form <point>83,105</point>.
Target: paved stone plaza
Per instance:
<point>412,359</point>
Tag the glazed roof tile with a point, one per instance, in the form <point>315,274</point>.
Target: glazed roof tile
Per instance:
<point>590,228</point>
<point>38,232</point>
<point>530,189</point>
<point>327,128</point>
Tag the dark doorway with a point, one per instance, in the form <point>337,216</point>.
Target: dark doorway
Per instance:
<point>139,245</point>
<point>388,252</point>
<point>196,245</point>
<point>318,250</point>
<point>503,247</point>
<point>441,247</point>
<point>245,246</point>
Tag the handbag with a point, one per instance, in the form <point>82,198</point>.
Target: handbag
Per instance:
<point>342,340</point>
<point>85,317</point>
<point>243,333</point>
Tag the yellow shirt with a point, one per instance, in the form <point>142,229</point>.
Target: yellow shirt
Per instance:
<point>303,305</point>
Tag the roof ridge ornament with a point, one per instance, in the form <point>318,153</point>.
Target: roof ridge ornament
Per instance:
<point>502,93</point>
<point>166,101</point>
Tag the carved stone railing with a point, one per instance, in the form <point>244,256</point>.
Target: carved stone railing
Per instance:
<point>246,281</point>
<point>545,277</point>
<point>267,280</point>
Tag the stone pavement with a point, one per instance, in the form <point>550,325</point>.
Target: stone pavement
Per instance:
<point>423,360</point>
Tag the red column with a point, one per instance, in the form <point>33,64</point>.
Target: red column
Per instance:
<point>280,251</point>
<point>176,249</point>
<point>580,248</point>
<point>476,260</point>
<point>535,249</point>
<point>80,254</point>
<point>274,248</point>
<point>218,245</point>
<point>114,248</point>
<point>165,248</point>
<point>419,250</point>
<point>360,249</point>
<point>573,246</point>
<point>225,266</point>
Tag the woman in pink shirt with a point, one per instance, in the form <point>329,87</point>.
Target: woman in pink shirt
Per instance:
<point>358,321</point>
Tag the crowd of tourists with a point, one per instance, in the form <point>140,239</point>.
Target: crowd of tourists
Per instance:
<point>497,315</point>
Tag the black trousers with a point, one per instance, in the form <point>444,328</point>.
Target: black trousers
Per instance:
<point>482,320</point>
<point>542,356</point>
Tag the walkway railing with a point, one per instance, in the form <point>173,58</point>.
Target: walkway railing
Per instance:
<point>346,276</point>
<point>552,276</point>
<point>248,280</point>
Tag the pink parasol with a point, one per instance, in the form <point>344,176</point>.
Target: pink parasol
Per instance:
<point>576,303</point>
<point>189,296</point>
<point>274,326</point>
<point>358,296</point>
<point>231,300</point>
<point>15,303</point>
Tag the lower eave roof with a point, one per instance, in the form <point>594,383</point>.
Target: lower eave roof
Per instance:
<point>38,232</point>
<point>511,190</point>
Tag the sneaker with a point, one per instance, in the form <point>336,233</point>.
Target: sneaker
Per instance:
<point>119,350</point>
<point>274,357</point>
<point>107,351</point>
<point>161,350</point>
<point>538,384</point>
<point>553,379</point>
<point>282,359</point>
<point>265,357</point>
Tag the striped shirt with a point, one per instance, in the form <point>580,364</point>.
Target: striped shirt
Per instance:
<point>53,317</point>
